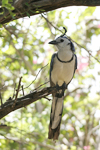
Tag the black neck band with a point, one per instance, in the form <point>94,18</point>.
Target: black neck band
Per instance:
<point>65,61</point>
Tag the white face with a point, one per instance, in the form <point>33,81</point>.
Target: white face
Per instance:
<point>62,42</point>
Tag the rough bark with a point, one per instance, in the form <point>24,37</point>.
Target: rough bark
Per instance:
<point>11,105</point>
<point>25,8</point>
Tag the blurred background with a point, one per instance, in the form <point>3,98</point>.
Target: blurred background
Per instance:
<point>24,50</point>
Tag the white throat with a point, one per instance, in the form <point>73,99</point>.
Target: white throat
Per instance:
<point>65,54</point>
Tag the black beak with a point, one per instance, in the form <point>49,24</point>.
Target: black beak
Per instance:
<point>54,42</point>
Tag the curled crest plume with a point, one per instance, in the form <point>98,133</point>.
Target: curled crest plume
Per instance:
<point>64,32</point>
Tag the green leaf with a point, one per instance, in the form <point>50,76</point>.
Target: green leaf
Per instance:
<point>27,4</point>
<point>4,2</point>
<point>28,14</point>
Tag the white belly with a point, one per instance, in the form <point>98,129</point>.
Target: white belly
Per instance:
<point>62,72</point>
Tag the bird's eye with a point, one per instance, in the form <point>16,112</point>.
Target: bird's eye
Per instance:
<point>61,40</point>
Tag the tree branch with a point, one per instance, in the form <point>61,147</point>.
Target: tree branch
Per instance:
<point>23,8</point>
<point>23,101</point>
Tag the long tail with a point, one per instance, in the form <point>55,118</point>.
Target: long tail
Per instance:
<point>55,116</point>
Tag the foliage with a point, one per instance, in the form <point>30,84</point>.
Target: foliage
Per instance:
<point>7,4</point>
<point>24,50</point>
<point>10,7</point>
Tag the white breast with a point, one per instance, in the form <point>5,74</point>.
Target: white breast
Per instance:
<point>62,72</point>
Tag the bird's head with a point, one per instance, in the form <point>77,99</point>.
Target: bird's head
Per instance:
<point>63,42</point>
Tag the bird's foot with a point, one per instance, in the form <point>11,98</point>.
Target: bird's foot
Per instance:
<point>60,89</point>
<point>64,86</point>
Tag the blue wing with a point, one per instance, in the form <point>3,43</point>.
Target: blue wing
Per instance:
<point>75,62</point>
<point>51,63</point>
<point>73,50</point>
<point>72,47</point>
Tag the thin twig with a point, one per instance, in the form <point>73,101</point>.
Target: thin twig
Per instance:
<point>47,98</point>
<point>51,23</point>
<point>40,86</point>
<point>92,130</point>
<point>23,90</point>
<point>35,78</point>
<point>17,92</point>
<point>89,52</point>
<point>68,93</point>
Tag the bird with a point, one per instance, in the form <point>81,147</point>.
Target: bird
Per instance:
<point>62,68</point>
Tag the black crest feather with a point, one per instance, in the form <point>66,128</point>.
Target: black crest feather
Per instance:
<point>64,32</point>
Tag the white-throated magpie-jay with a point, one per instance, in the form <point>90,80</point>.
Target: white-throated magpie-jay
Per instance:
<point>62,68</point>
